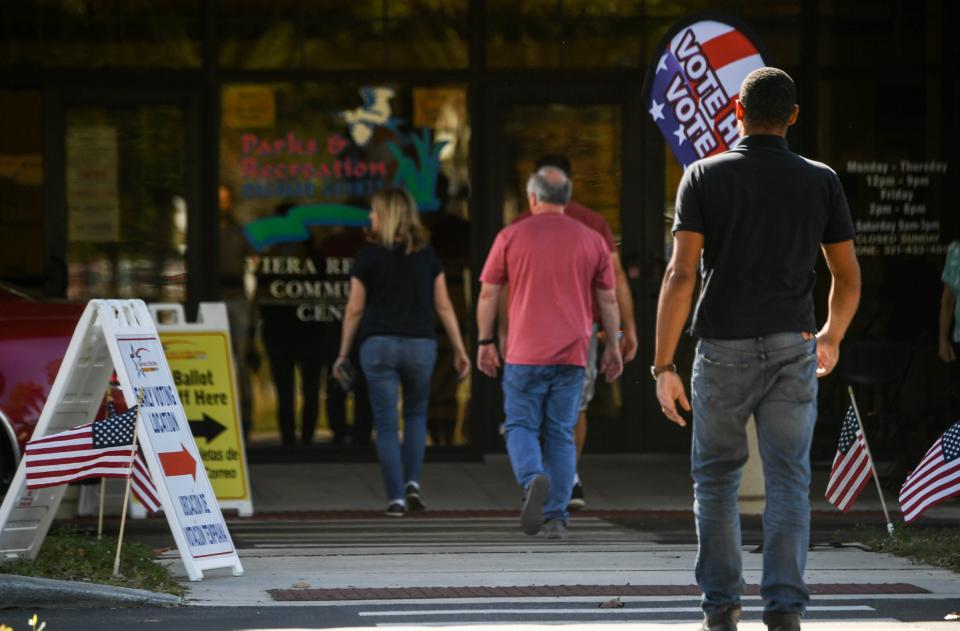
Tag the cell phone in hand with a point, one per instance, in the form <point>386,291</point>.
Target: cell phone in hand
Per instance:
<point>345,374</point>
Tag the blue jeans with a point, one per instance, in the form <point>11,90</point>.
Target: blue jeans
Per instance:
<point>389,361</point>
<point>773,378</point>
<point>543,400</point>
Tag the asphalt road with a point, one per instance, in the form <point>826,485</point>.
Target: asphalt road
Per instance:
<point>852,613</point>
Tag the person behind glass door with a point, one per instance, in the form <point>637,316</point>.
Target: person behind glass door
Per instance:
<point>949,339</point>
<point>396,285</point>
<point>234,250</point>
<point>450,238</point>
<point>291,342</point>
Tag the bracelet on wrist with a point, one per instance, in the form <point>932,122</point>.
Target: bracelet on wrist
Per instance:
<point>656,371</point>
<point>486,341</point>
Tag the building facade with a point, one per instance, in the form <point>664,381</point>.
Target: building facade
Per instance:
<point>184,151</point>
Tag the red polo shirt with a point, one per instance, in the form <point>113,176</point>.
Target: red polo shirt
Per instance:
<point>552,263</point>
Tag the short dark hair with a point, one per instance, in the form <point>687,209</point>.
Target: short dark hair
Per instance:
<point>553,160</point>
<point>768,96</point>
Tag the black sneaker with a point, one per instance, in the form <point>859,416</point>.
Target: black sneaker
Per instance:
<point>531,516</point>
<point>723,620</point>
<point>577,500</point>
<point>396,509</point>
<point>415,501</point>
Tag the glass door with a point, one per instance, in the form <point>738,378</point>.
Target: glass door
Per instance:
<point>591,133</point>
<point>128,198</point>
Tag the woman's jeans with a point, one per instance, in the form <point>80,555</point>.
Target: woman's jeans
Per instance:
<point>387,362</point>
<point>774,379</point>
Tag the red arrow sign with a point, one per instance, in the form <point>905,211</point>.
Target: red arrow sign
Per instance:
<point>178,463</point>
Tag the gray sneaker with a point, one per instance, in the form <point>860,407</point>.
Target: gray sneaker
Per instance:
<point>531,517</point>
<point>781,621</point>
<point>723,620</point>
<point>555,529</point>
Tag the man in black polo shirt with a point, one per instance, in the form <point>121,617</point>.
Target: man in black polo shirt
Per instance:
<point>759,214</point>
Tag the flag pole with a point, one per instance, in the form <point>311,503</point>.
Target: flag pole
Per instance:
<point>873,467</point>
<point>103,481</point>
<point>126,493</point>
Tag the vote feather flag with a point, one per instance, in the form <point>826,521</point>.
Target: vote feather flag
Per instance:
<point>691,89</point>
<point>851,468</point>
<point>936,478</point>
<point>93,450</point>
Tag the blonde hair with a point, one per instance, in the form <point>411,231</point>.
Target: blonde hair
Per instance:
<point>399,221</point>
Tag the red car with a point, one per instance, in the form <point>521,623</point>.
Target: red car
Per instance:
<point>34,335</point>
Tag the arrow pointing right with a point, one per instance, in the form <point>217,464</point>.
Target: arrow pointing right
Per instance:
<point>176,463</point>
<point>207,427</point>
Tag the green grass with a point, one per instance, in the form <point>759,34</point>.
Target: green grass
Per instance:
<point>939,547</point>
<point>75,556</point>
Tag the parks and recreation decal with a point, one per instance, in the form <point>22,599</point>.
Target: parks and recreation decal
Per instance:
<point>293,165</point>
<point>691,89</point>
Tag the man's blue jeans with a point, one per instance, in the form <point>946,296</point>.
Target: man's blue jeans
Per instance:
<point>389,361</point>
<point>543,401</point>
<point>773,378</point>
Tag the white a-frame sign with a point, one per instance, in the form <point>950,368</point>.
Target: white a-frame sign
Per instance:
<point>119,335</point>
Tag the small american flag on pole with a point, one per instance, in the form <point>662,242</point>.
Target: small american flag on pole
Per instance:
<point>851,469</point>
<point>936,478</point>
<point>94,450</point>
<point>141,483</point>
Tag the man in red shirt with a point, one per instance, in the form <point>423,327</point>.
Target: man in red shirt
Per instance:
<point>628,341</point>
<point>556,268</point>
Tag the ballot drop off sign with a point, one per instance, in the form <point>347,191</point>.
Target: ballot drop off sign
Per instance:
<point>202,369</point>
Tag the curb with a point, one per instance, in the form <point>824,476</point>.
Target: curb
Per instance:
<point>30,591</point>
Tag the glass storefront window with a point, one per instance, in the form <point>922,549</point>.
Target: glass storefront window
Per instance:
<point>891,159</point>
<point>897,33</point>
<point>338,35</point>
<point>590,137</point>
<point>126,203</point>
<point>21,187</point>
<point>299,163</point>
<point>571,33</point>
<point>100,34</point>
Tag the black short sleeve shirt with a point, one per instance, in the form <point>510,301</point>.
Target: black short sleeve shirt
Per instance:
<point>764,211</point>
<point>399,286</point>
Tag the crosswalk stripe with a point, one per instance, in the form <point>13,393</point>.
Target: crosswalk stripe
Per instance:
<point>592,611</point>
<point>652,625</point>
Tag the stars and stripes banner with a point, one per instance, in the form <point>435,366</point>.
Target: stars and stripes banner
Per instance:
<point>851,468</point>
<point>141,483</point>
<point>936,478</point>
<point>691,91</point>
<point>94,450</point>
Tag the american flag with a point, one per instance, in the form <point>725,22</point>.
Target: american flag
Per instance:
<point>851,469</point>
<point>142,484</point>
<point>94,450</point>
<point>936,478</point>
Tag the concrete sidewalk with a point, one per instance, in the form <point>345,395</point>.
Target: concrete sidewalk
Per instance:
<point>320,535</point>
<point>612,482</point>
<point>319,531</point>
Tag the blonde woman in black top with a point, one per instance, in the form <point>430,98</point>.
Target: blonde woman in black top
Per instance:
<point>397,288</point>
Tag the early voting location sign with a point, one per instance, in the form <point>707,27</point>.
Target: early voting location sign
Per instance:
<point>691,91</point>
<point>201,363</point>
<point>120,336</point>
